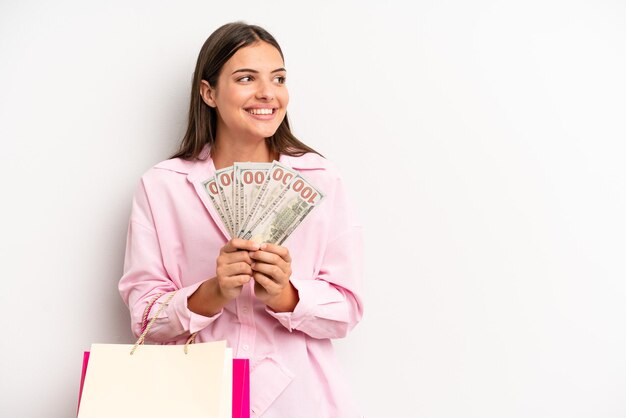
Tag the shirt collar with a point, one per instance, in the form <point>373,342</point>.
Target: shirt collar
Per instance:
<point>204,168</point>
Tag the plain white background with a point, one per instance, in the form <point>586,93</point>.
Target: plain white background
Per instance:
<point>483,142</point>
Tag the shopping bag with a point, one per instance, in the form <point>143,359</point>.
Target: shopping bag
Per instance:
<point>157,381</point>
<point>82,378</point>
<point>194,380</point>
<point>240,387</point>
<point>239,392</point>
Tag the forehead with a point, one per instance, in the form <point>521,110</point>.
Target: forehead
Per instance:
<point>259,56</point>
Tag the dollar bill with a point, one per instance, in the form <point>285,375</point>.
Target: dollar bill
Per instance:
<point>224,181</point>
<point>211,188</point>
<point>277,180</point>
<point>248,180</point>
<point>284,213</point>
<point>264,202</point>
<point>236,201</point>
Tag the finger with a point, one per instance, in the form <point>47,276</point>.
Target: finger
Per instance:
<point>270,258</point>
<point>232,282</point>
<point>269,270</point>
<point>267,283</point>
<point>279,250</point>
<point>236,257</point>
<point>236,244</point>
<point>236,269</point>
<point>239,280</point>
<point>266,257</point>
<point>232,288</point>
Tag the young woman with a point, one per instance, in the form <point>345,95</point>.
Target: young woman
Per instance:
<point>279,306</point>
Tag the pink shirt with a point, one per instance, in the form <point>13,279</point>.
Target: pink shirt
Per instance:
<point>174,238</point>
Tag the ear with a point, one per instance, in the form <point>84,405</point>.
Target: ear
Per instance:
<point>207,93</point>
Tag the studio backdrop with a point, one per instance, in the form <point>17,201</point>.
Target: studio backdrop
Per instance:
<point>483,144</point>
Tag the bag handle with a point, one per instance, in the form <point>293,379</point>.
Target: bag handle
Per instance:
<point>146,312</point>
<point>142,337</point>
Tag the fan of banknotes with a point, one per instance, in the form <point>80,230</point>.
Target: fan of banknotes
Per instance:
<point>262,202</point>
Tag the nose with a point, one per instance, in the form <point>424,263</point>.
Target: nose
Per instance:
<point>265,91</point>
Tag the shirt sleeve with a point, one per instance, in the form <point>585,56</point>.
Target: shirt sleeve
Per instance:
<point>330,304</point>
<point>145,277</point>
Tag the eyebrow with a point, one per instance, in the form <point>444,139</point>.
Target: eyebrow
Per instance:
<point>250,70</point>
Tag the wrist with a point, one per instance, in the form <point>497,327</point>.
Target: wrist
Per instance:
<point>286,301</point>
<point>207,300</point>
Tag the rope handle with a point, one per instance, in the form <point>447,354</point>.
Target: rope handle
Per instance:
<point>145,330</point>
<point>146,312</point>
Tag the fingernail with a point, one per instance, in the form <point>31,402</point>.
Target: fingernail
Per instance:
<point>263,246</point>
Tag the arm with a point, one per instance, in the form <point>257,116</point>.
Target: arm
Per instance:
<point>145,277</point>
<point>329,305</point>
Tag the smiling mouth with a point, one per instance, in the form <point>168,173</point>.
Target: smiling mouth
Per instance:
<point>261,111</point>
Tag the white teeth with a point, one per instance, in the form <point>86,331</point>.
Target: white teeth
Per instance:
<point>260,111</point>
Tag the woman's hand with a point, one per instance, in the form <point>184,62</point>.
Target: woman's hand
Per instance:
<point>232,272</point>
<point>233,267</point>
<point>271,266</point>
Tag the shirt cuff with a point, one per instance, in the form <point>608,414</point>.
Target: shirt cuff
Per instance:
<point>178,311</point>
<point>311,293</point>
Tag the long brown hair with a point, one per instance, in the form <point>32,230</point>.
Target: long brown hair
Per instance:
<point>202,126</point>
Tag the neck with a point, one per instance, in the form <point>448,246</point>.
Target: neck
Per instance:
<point>226,151</point>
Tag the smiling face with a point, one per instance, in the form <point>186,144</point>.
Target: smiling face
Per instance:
<point>250,96</point>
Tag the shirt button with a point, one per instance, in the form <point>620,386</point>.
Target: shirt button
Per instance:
<point>245,347</point>
<point>245,310</point>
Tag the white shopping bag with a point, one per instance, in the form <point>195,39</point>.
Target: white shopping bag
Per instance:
<point>158,381</point>
<point>155,381</point>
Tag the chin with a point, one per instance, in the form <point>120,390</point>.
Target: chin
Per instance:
<point>267,133</point>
